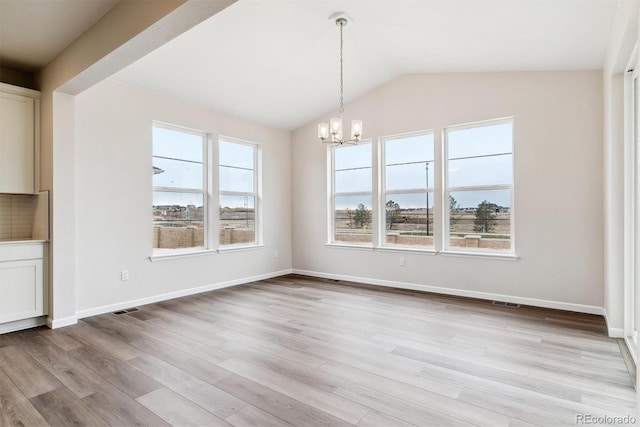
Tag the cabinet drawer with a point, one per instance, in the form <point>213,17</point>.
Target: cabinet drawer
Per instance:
<point>21,290</point>
<point>16,252</point>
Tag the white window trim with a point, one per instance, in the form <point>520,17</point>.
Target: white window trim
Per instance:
<point>256,194</point>
<point>446,190</point>
<point>167,253</point>
<point>178,253</point>
<point>331,196</point>
<point>383,192</point>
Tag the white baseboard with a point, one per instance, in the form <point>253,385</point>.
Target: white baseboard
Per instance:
<point>61,323</point>
<point>613,332</point>
<point>176,294</point>
<point>18,325</point>
<point>559,305</point>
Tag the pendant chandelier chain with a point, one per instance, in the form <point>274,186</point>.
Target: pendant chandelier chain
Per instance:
<point>341,72</point>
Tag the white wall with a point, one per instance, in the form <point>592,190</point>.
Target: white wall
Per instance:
<point>113,198</point>
<point>558,185</point>
<point>126,33</point>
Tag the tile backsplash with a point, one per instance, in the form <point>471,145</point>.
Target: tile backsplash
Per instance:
<point>16,216</point>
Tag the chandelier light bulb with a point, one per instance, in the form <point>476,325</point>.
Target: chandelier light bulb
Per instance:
<point>356,129</point>
<point>336,125</point>
<point>323,131</point>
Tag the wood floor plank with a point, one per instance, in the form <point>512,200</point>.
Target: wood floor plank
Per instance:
<point>278,349</point>
<point>115,328</point>
<point>15,408</point>
<point>250,416</point>
<point>397,408</point>
<point>197,391</point>
<point>117,372</point>
<point>376,419</point>
<point>434,401</point>
<point>118,409</point>
<point>487,378</point>
<point>526,406</point>
<point>341,365</point>
<point>336,406</point>
<point>62,338</point>
<point>203,350</point>
<point>80,380</point>
<point>279,405</point>
<point>30,377</point>
<point>61,408</point>
<point>431,355</point>
<point>193,365</point>
<point>583,383</point>
<point>178,411</point>
<point>291,368</point>
<point>102,341</point>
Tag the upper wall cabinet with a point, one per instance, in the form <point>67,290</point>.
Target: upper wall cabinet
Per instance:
<point>19,115</point>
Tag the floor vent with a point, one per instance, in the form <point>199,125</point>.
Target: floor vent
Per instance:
<point>128,310</point>
<point>506,304</point>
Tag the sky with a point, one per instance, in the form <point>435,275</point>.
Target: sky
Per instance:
<point>235,172</point>
<point>409,165</point>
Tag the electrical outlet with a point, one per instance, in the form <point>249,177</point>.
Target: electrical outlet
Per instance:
<point>402,263</point>
<point>124,275</point>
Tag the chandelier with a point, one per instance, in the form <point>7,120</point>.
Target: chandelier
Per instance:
<point>332,133</point>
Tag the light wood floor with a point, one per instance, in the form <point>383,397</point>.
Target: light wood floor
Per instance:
<point>309,352</point>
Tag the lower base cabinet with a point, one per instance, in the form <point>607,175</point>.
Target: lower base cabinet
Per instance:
<point>21,281</point>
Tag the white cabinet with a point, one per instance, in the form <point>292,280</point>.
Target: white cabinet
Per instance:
<point>21,281</point>
<point>18,136</point>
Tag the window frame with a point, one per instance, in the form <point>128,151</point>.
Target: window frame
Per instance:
<point>446,190</point>
<point>383,192</point>
<point>256,194</point>
<point>331,198</point>
<point>205,191</point>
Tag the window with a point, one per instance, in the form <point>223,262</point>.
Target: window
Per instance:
<point>179,188</point>
<point>408,181</point>
<point>351,194</point>
<point>239,197</point>
<point>479,186</point>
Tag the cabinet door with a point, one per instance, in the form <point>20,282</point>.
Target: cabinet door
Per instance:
<point>21,290</point>
<point>17,155</point>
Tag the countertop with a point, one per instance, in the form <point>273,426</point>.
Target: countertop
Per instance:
<point>21,242</point>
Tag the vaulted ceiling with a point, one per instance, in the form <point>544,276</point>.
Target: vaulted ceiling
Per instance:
<point>276,61</point>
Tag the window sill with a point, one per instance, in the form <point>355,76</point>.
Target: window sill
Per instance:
<point>179,254</point>
<point>347,246</point>
<point>482,255</point>
<point>232,248</point>
<point>425,251</point>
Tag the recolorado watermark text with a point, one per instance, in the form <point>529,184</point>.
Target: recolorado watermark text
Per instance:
<point>605,419</point>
